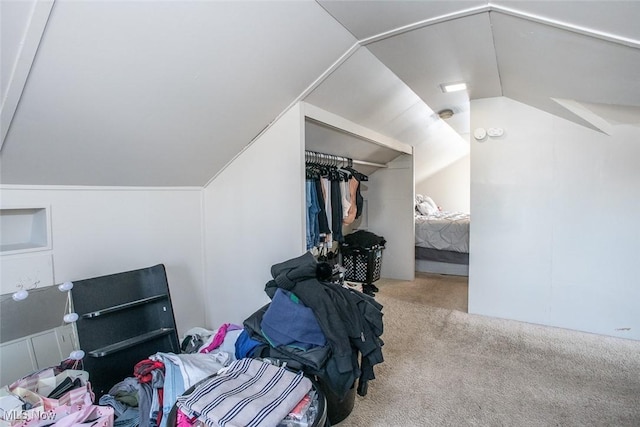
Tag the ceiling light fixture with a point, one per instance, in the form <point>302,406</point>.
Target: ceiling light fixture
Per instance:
<point>453,87</point>
<point>447,113</point>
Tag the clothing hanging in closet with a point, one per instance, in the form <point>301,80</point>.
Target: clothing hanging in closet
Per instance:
<point>333,198</point>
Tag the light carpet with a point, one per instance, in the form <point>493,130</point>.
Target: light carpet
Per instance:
<point>445,367</point>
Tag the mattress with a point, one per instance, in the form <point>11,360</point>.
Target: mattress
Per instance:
<point>447,231</point>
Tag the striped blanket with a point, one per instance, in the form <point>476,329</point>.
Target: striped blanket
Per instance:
<point>248,393</point>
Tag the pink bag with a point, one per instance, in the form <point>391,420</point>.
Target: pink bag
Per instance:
<point>46,411</point>
<point>44,381</point>
<point>73,416</point>
<point>98,416</point>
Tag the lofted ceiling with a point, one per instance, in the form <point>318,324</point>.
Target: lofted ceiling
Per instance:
<point>167,93</point>
<point>536,52</point>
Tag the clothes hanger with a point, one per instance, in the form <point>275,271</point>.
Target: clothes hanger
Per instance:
<point>346,174</point>
<point>333,169</point>
<point>357,175</point>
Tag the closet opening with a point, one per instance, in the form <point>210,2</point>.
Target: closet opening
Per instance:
<point>385,167</point>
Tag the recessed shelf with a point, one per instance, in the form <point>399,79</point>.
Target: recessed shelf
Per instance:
<point>24,229</point>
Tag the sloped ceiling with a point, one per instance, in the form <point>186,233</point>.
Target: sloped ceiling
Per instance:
<point>167,93</point>
<point>531,51</point>
<point>364,91</point>
<point>144,93</point>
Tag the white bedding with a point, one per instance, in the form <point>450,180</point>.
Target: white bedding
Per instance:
<point>443,230</point>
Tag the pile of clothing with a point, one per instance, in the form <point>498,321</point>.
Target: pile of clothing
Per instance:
<point>312,327</point>
<point>212,389</point>
<point>317,326</point>
<point>249,392</point>
<point>146,398</point>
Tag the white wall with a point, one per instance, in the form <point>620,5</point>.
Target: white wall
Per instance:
<point>449,187</point>
<point>555,221</point>
<point>253,219</point>
<point>390,201</point>
<point>98,231</point>
<point>440,147</point>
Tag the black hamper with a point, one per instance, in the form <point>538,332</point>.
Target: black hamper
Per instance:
<point>362,264</point>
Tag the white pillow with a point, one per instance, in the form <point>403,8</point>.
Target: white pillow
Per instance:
<point>425,208</point>
<point>417,201</point>
<point>429,200</point>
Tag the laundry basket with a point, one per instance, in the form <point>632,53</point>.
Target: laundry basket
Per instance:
<point>362,264</point>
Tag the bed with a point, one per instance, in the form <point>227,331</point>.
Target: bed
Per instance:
<point>441,239</point>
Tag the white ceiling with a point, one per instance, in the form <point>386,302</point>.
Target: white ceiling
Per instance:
<point>160,93</point>
<point>531,51</point>
<point>167,93</point>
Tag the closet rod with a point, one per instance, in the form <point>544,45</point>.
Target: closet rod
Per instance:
<point>316,156</point>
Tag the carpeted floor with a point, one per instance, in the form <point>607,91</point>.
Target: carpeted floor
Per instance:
<point>444,367</point>
<point>434,290</point>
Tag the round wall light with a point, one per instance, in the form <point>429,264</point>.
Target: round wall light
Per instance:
<point>66,286</point>
<point>20,295</point>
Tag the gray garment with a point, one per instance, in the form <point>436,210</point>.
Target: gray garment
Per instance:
<point>125,415</point>
<point>157,382</point>
<point>157,378</point>
<point>145,397</point>
<point>128,385</point>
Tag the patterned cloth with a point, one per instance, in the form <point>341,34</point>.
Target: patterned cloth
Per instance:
<point>249,393</point>
<point>142,370</point>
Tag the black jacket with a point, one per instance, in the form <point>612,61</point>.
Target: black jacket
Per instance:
<point>351,321</point>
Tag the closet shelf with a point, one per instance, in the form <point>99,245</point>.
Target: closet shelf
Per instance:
<point>124,306</point>
<point>131,342</point>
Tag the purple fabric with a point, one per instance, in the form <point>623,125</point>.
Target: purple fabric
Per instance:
<point>219,337</point>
